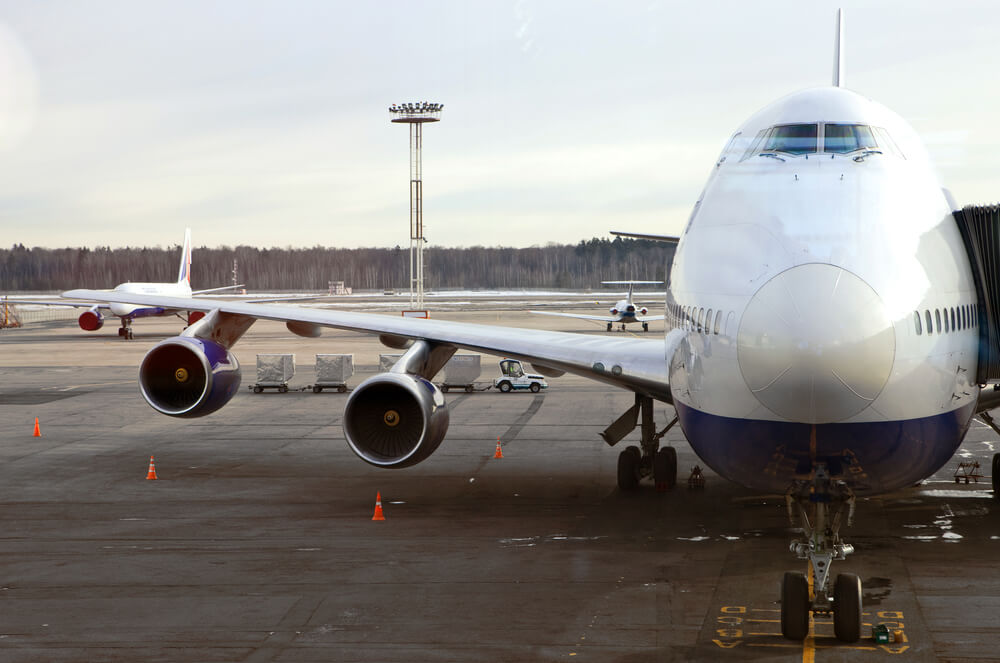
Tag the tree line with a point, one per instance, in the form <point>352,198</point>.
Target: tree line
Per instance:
<point>309,269</point>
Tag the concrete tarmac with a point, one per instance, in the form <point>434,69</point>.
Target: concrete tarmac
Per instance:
<point>256,542</point>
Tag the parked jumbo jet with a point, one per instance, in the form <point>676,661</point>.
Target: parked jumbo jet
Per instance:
<point>92,319</point>
<point>622,313</point>
<point>847,359</point>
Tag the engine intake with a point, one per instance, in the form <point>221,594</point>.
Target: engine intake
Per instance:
<point>395,419</point>
<point>188,377</point>
<point>91,320</point>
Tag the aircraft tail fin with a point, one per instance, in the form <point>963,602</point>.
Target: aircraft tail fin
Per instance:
<point>184,275</point>
<point>838,52</point>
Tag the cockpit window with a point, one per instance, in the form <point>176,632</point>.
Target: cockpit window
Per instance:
<point>844,138</point>
<point>792,139</point>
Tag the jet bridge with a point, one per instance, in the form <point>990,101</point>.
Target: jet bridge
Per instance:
<point>980,228</point>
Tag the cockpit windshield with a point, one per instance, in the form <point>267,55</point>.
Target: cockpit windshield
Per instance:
<point>834,138</point>
<point>792,139</point>
<point>844,138</point>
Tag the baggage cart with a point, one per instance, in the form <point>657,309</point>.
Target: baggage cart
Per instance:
<point>332,372</point>
<point>273,372</point>
<point>461,372</point>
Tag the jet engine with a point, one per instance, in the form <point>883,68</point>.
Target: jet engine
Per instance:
<point>186,376</point>
<point>643,311</point>
<point>91,320</point>
<point>395,419</point>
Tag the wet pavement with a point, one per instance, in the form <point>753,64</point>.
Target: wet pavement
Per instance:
<point>256,542</point>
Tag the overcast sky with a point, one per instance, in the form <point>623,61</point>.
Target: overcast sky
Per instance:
<point>266,123</point>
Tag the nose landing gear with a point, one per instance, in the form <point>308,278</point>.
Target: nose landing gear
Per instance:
<point>825,500</point>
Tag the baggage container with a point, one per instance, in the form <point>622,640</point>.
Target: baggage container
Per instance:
<point>274,372</point>
<point>461,372</point>
<point>332,372</point>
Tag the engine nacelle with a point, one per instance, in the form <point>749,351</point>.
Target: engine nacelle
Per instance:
<point>613,311</point>
<point>395,419</point>
<point>187,376</point>
<point>91,320</point>
<point>643,310</point>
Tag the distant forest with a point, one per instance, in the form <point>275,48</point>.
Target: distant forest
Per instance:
<point>554,266</point>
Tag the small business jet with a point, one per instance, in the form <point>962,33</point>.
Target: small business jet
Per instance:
<point>92,319</point>
<point>622,313</point>
<point>829,334</point>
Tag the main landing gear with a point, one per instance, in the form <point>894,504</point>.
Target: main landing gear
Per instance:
<point>821,502</point>
<point>634,464</point>
<point>645,326</point>
<point>609,326</point>
<point>125,331</point>
<point>995,478</point>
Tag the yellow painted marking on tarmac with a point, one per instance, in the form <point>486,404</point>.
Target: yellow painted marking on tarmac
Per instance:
<point>771,644</point>
<point>809,644</point>
<point>765,621</point>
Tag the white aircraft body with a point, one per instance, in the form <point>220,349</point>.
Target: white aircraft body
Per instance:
<point>622,313</point>
<point>804,349</point>
<point>92,319</point>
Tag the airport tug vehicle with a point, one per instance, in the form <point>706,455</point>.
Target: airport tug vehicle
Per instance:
<point>513,378</point>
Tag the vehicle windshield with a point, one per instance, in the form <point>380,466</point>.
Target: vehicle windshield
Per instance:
<point>792,139</point>
<point>844,138</point>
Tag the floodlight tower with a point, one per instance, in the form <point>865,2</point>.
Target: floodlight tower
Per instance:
<point>416,115</point>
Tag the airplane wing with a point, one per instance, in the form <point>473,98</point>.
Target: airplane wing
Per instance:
<point>582,316</point>
<point>669,239</point>
<point>219,289</point>
<point>55,302</point>
<point>630,363</point>
<point>649,318</point>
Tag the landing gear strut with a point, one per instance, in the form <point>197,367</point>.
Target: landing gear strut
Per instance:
<point>125,331</point>
<point>634,463</point>
<point>821,502</point>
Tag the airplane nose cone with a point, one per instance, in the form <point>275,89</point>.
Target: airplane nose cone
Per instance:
<point>815,344</point>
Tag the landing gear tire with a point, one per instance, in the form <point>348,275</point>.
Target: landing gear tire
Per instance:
<point>628,468</point>
<point>665,468</point>
<point>794,606</point>
<point>847,607</point>
<point>645,326</point>
<point>609,326</point>
<point>535,387</point>
<point>996,476</point>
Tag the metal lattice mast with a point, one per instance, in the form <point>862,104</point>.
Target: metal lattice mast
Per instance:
<point>416,115</point>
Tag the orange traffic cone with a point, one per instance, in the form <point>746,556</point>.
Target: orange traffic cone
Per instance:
<point>37,432</point>
<point>151,474</point>
<point>499,453</point>
<point>378,507</point>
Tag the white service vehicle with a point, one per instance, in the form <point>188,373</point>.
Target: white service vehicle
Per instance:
<point>512,377</point>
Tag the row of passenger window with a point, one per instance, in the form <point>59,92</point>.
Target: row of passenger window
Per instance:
<point>948,319</point>
<point>695,318</point>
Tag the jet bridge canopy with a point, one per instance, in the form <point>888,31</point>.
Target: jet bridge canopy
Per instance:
<point>980,228</point>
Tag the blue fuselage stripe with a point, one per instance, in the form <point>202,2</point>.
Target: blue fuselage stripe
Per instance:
<point>873,457</point>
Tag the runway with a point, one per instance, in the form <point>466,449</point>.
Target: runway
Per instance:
<point>256,541</point>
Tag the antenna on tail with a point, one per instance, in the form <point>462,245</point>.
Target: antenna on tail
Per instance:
<point>838,52</point>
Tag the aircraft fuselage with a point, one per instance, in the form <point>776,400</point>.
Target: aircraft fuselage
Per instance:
<point>800,298</point>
